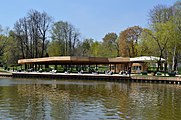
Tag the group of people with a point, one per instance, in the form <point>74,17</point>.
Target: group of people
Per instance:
<point>126,72</point>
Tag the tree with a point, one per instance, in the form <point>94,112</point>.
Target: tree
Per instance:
<point>169,17</point>
<point>43,25</point>
<point>20,30</point>
<point>67,37</point>
<point>110,44</point>
<point>11,51</point>
<point>4,44</point>
<point>128,41</point>
<point>31,33</point>
<point>86,47</point>
<point>160,14</point>
<point>96,48</point>
<point>53,48</point>
<point>177,15</point>
<point>176,22</point>
<point>160,36</point>
<point>173,48</point>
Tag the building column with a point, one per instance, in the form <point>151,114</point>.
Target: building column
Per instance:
<point>55,67</point>
<point>114,68</point>
<point>109,67</point>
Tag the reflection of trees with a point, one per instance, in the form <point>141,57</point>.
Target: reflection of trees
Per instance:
<point>74,98</point>
<point>105,98</point>
<point>155,101</point>
<point>39,91</point>
<point>70,99</point>
<point>62,100</point>
<point>7,101</point>
<point>44,101</point>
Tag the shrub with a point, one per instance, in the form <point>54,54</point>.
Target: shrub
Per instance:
<point>47,69</point>
<point>158,73</point>
<point>172,74</point>
<point>144,73</point>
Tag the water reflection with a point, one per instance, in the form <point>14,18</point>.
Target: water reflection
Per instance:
<point>81,100</point>
<point>47,100</point>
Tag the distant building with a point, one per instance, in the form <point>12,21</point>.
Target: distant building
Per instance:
<point>140,64</point>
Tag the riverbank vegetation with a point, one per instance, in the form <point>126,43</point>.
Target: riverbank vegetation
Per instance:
<point>37,35</point>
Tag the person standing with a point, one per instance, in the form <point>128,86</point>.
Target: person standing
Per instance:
<point>129,71</point>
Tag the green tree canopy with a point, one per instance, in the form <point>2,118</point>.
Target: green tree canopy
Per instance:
<point>67,36</point>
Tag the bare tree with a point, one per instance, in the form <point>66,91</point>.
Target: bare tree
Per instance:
<point>160,13</point>
<point>21,32</point>
<point>31,32</point>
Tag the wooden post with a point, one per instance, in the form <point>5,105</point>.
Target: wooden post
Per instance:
<point>25,67</point>
<point>109,67</point>
<point>56,67</point>
<point>114,68</point>
<point>89,68</point>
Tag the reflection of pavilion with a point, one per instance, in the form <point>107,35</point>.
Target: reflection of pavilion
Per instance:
<point>69,100</point>
<point>89,63</point>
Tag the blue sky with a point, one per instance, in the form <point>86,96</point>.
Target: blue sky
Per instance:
<point>93,18</point>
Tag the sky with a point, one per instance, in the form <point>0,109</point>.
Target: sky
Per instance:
<point>93,18</point>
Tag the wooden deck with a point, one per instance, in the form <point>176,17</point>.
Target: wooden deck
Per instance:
<point>3,74</point>
<point>104,77</point>
<point>157,79</point>
<point>73,76</point>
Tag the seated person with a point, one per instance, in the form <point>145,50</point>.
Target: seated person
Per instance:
<point>110,73</point>
<point>121,73</point>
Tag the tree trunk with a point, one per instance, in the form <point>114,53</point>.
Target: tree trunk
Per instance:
<point>173,59</point>
<point>43,44</point>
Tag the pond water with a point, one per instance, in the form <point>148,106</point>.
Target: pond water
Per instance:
<point>35,99</point>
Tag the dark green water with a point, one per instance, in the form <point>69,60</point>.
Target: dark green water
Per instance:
<point>25,99</point>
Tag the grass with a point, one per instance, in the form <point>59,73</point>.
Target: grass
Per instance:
<point>139,75</point>
<point>2,70</point>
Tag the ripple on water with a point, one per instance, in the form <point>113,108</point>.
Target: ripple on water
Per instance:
<point>79,100</point>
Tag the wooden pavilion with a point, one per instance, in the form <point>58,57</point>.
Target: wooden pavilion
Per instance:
<point>115,64</point>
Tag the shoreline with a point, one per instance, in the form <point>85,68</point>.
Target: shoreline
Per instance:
<point>104,77</point>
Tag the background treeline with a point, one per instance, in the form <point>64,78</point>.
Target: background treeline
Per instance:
<point>37,35</point>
